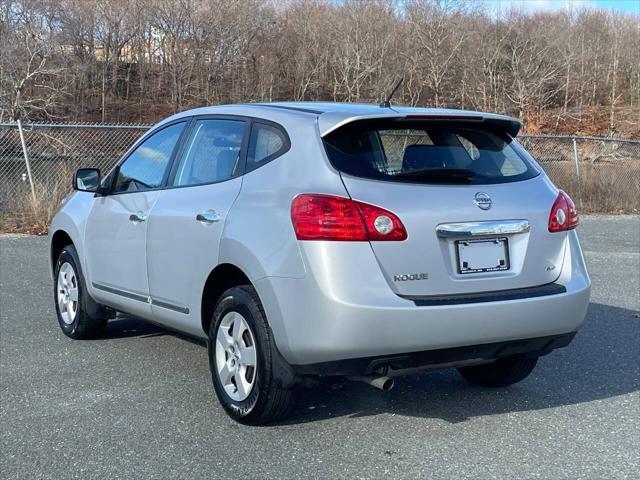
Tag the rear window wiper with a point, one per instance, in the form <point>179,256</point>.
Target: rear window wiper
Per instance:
<point>439,174</point>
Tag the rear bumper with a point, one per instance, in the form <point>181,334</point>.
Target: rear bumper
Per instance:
<point>352,314</point>
<point>447,356</point>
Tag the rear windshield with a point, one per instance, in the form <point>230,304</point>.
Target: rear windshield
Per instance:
<point>430,153</point>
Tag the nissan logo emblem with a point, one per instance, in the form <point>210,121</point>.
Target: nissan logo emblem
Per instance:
<point>482,200</point>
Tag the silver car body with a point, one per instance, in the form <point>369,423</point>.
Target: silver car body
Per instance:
<point>326,300</point>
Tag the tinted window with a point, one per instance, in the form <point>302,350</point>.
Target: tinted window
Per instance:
<point>266,143</point>
<point>145,168</point>
<point>433,153</point>
<point>212,152</point>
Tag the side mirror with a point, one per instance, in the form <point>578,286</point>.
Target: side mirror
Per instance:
<point>86,180</point>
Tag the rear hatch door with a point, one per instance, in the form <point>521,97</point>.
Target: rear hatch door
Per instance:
<point>475,209</point>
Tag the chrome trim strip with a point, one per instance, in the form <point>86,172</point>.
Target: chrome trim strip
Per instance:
<point>141,298</point>
<point>478,229</point>
<point>123,293</point>
<point>169,306</point>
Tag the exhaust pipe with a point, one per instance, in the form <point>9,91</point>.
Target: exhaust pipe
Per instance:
<point>380,382</point>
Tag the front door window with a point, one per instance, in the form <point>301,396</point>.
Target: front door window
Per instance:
<point>146,166</point>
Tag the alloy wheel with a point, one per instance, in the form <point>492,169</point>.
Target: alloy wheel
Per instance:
<point>67,293</point>
<point>236,359</point>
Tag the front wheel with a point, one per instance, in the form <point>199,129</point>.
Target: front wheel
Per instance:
<point>241,349</point>
<point>501,373</point>
<point>79,316</point>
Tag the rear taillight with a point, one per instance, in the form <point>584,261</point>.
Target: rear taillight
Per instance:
<point>327,217</point>
<point>564,215</point>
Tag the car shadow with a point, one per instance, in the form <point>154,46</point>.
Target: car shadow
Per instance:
<point>600,363</point>
<point>126,326</point>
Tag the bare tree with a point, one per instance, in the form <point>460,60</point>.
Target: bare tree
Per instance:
<point>138,60</point>
<point>29,82</point>
<point>363,36</point>
<point>532,64</point>
<point>437,39</point>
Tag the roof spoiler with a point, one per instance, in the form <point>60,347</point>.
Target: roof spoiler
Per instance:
<point>330,121</point>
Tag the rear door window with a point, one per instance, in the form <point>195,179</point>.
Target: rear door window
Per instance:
<point>430,153</point>
<point>212,153</point>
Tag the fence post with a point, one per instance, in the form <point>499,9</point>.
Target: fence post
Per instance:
<point>575,158</point>
<point>26,159</point>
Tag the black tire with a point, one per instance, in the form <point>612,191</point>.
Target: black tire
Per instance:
<point>501,373</point>
<point>90,318</point>
<point>267,402</point>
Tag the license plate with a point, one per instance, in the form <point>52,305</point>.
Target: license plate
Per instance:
<point>483,255</point>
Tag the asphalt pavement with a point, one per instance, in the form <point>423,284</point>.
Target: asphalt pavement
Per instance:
<point>139,403</point>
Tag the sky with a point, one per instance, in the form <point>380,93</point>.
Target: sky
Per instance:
<point>630,6</point>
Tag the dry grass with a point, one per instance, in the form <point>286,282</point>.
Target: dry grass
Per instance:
<point>33,216</point>
<point>604,187</point>
<point>24,214</point>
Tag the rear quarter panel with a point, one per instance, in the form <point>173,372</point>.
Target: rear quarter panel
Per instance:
<point>258,236</point>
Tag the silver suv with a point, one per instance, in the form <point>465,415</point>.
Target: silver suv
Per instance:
<point>311,240</point>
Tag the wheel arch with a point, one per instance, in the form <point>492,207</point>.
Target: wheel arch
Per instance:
<point>221,278</point>
<point>67,227</point>
<point>59,240</point>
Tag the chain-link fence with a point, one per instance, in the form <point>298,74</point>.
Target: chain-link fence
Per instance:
<point>601,174</point>
<point>54,152</point>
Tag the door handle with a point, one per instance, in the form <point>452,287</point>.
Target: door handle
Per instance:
<point>210,216</point>
<point>137,217</point>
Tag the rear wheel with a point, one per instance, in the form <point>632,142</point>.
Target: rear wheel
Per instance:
<point>241,349</point>
<point>79,316</point>
<point>501,373</point>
